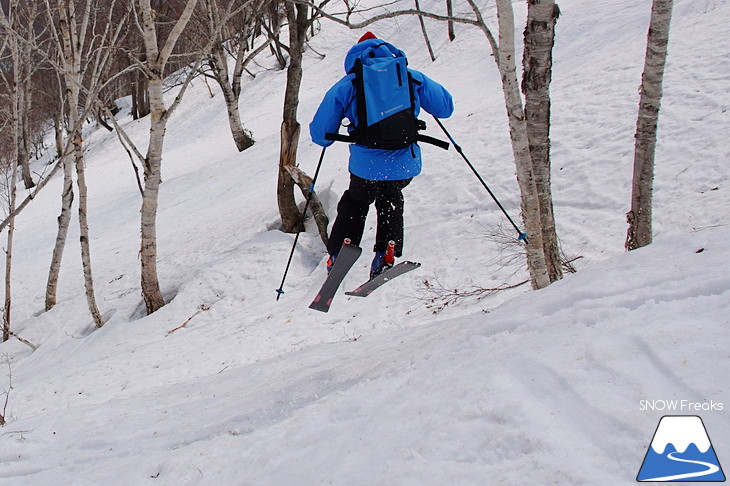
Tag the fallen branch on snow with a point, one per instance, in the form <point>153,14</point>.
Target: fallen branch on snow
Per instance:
<point>439,297</point>
<point>202,308</point>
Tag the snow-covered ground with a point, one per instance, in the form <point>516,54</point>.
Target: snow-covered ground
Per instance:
<point>521,387</point>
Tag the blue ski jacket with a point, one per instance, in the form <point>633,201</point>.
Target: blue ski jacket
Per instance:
<point>339,103</point>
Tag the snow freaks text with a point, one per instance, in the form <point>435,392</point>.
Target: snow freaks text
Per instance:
<point>683,406</point>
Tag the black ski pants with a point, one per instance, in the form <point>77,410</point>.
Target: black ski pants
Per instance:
<point>352,211</point>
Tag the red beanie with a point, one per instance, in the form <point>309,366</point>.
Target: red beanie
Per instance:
<point>366,36</point>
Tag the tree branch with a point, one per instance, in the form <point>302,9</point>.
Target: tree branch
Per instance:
<point>315,205</point>
<point>171,41</point>
<point>388,15</point>
<point>33,194</point>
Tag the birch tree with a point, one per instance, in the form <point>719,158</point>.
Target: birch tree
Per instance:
<point>73,39</point>
<point>235,37</point>
<point>18,21</point>
<point>11,179</point>
<point>160,36</point>
<point>157,54</point>
<point>537,61</point>
<point>85,45</point>
<point>67,198</point>
<point>18,26</point>
<point>640,216</point>
<point>10,167</point>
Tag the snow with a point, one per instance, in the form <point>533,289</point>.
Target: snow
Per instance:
<point>517,388</point>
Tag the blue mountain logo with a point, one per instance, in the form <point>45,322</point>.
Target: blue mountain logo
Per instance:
<point>681,451</point>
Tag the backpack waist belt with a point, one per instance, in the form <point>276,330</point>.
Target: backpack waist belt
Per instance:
<point>337,137</point>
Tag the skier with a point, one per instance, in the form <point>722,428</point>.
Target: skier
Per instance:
<point>376,175</point>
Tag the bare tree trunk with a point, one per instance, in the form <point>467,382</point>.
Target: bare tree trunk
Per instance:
<point>18,18</point>
<point>539,38</point>
<point>241,137</point>
<point>9,254</point>
<point>84,230</point>
<point>297,15</point>
<point>230,83</point>
<point>12,178</point>
<point>157,59</point>
<point>640,216</point>
<point>275,44</point>
<point>520,146</point>
<point>140,99</point>
<point>58,132</point>
<point>24,153</point>
<point>218,64</point>
<point>72,39</point>
<point>425,34</point>
<point>152,179</point>
<point>450,13</point>
<point>67,195</point>
<point>16,24</point>
<point>64,220</point>
<point>290,217</point>
<point>12,188</point>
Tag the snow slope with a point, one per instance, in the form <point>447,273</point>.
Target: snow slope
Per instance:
<point>518,388</point>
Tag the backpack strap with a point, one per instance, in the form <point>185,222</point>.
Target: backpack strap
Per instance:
<point>433,141</point>
<point>362,112</point>
<point>359,98</point>
<point>338,137</point>
<point>411,90</point>
<point>421,123</point>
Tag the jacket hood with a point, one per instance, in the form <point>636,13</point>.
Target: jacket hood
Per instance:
<point>378,48</point>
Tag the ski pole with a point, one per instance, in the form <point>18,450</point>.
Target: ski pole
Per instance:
<point>280,290</point>
<point>523,235</point>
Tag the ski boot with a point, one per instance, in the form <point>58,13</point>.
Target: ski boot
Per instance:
<point>331,262</point>
<point>383,260</point>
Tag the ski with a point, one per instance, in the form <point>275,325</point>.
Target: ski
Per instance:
<point>347,257</point>
<point>368,287</point>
